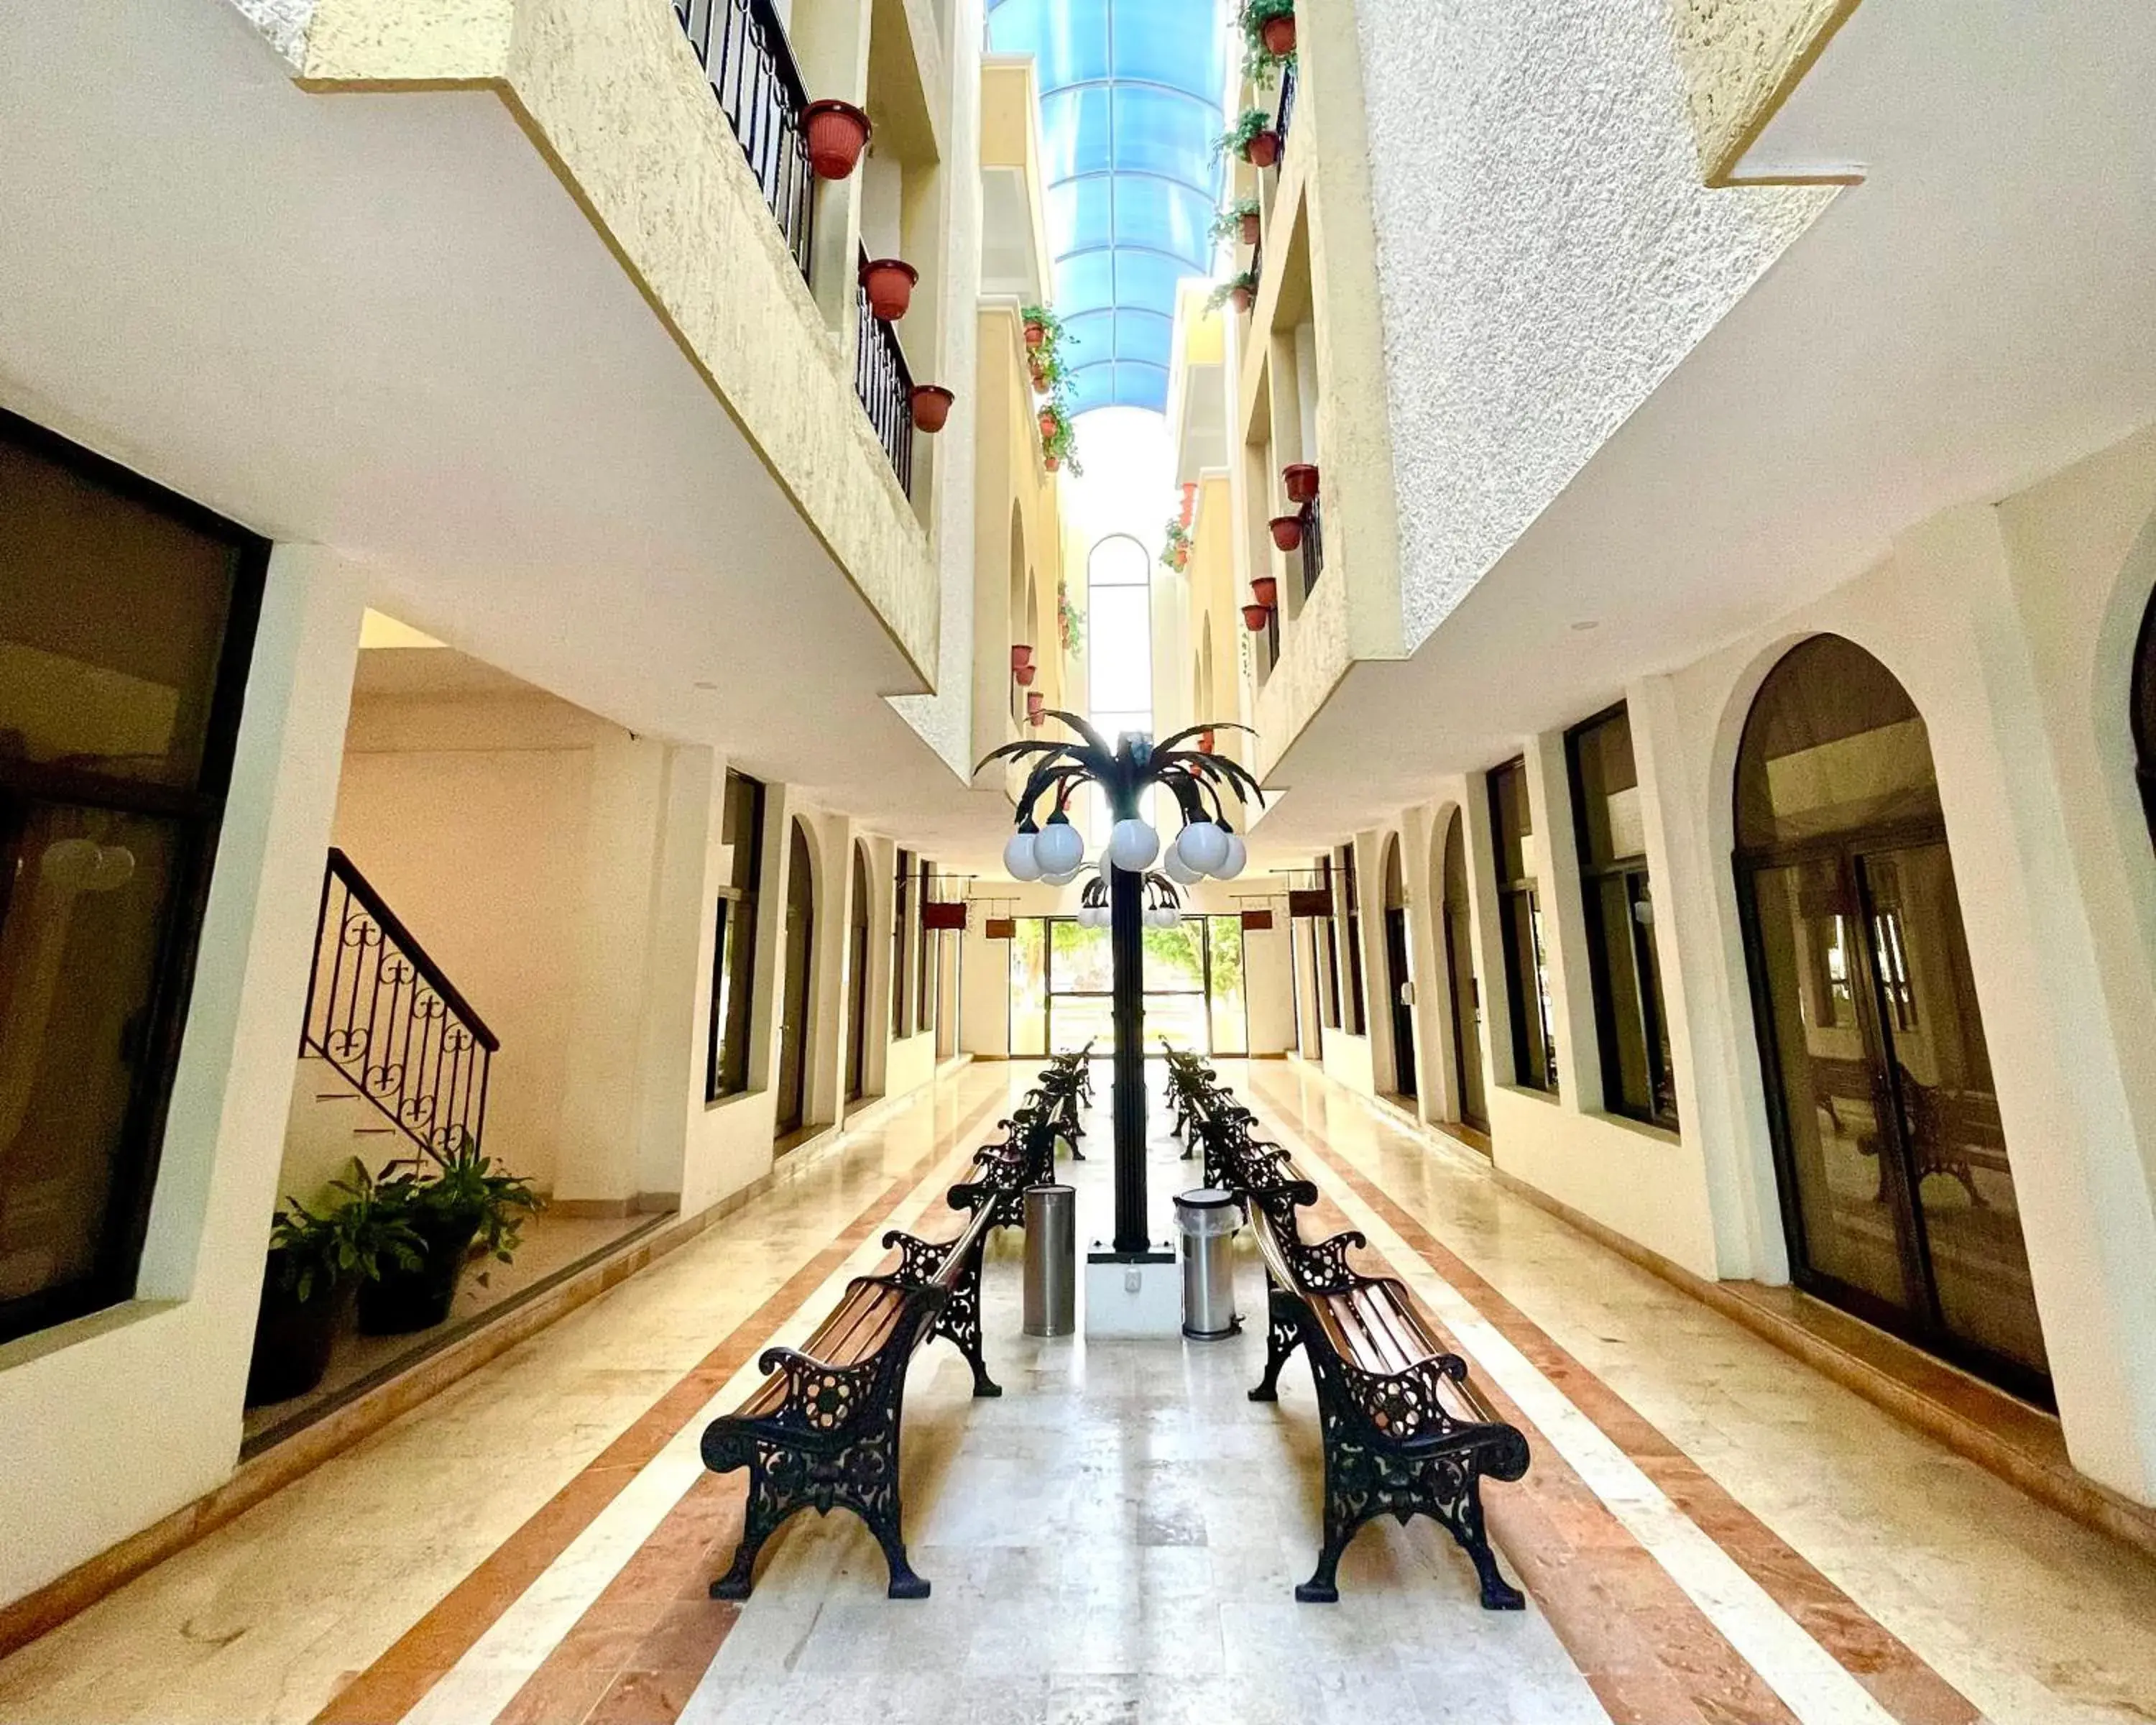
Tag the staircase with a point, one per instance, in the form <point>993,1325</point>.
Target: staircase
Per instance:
<point>393,1060</point>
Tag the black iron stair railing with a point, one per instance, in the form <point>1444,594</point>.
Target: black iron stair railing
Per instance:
<point>745,54</point>
<point>381,1012</point>
<point>884,385</point>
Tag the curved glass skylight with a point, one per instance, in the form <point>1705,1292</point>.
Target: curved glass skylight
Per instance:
<point>1129,109</point>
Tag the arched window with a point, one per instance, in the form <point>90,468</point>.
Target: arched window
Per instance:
<point>1896,1188</point>
<point>2144,714</point>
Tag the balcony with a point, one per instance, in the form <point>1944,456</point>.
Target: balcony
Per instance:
<point>742,48</point>
<point>883,384</point>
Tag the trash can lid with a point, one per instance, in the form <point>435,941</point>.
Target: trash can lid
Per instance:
<point>1205,1197</point>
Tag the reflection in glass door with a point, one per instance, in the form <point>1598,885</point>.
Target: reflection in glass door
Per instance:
<point>1062,986</point>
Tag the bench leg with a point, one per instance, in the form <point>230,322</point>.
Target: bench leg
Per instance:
<point>959,1322</point>
<point>1465,1524</point>
<point>1282,1334</point>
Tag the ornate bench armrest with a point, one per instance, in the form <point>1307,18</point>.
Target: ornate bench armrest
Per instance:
<point>820,1397</point>
<point>919,1259</point>
<point>1323,1267</point>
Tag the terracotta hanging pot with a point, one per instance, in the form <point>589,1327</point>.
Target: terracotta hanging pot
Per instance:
<point>1048,424</point>
<point>1250,229</point>
<point>1024,675</point>
<point>889,283</point>
<point>932,407</point>
<point>1256,617</point>
<point>1036,335</point>
<point>1206,742</point>
<point>1266,590</point>
<point>1244,299</point>
<point>1050,463</point>
<point>1263,150</point>
<point>1021,656</point>
<point>1287,531</point>
<point>836,133</point>
<point>1036,703</point>
<point>1278,35</point>
<point>1302,482</point>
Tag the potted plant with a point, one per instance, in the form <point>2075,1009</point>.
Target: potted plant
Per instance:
<point>1252,137</point>
<point>1207,743</point>
<point>1287,531</point>
<point>1057,441</point>
<point>1268,28</point>
<point>889,283</point>
<point>835,134</point>
<point>1070,621</point>
<point>318,1260</point>
<point>1256,617</point>
<point>932,407</point>
<point>1241,288</point>
<point>1266,590</point>
<point>1021,656</point>
<point>1024,675</point>
<point>1176,553</point>
<point>1043,327</point>
<point>465,1198</point>
<point>1036,704</point>
<point>1300,479</point>
<point>1239,220</point>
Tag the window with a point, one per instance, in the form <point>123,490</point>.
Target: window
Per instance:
<point>1328,973</point>
<point>1352,1009</point>
<point>126,620</point>
<point>733,947</point>
<point>1637,1076</point>
<point>1520,919</point>
<point>901,983</point>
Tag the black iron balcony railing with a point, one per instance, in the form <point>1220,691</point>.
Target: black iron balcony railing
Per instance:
<point>885,387</point>
<point>1314,546</point>
<point>1287,114</point>
<point>750,63</point>
<point>380,1011</point>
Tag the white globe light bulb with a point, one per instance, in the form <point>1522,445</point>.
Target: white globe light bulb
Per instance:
<point>1178,871</point>
<point>1060,847</point>
<point>1237,860</point>
<point>1062,880</point>
<point>1019,862</point>
<point>1203,846</point>
<point>1132,845</point>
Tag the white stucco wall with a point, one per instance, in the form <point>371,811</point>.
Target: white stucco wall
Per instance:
<point>1546,255</point>
<point>283,24</point>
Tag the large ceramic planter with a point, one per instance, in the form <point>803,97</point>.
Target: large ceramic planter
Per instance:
<point>404,1301</point>
<point>932,407</point>
<point>293,1340</point>
<point>889,283</point>
<point>835,134</point>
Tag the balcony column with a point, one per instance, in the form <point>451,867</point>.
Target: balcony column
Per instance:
<point>830,40</point>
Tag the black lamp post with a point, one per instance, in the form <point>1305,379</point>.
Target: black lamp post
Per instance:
<point>1207,844</point>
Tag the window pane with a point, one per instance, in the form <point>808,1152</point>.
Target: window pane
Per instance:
<point>1627,1080</point>
<point>1508,809</point>
<point>112,621</point>
<point>1231,1022</point>
<point>1611,826</point>
<point>1534,1041</point>
<point>1029,987</point>
<point>1120,619</point>
<point>1175,957</point>
<point>83,900</point>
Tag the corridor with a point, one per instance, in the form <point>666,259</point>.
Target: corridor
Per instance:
<point>1710,1531</point>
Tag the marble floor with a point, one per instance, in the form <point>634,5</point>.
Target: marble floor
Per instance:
<point>1710,1532</point>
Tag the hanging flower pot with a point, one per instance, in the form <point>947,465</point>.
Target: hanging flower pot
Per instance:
<point>1266,590</point>
<point>1021,656</point>
<point>1287,531</point>
<point>1049,423</point>
<point>1263,150</point>
<point>932,407</point>
<point>1051,462</point>
<point>836,133</point>
<point>1278,35</point>
<point>1036,333</point>
<point>1024,675</point>
<point>1250,229</point>
<point>1035,704</point>
<point>889,284</point>
<point>1302,482</point>
<point>1206,745</point>
<point>1243,297</point>
<point>1256,617</point>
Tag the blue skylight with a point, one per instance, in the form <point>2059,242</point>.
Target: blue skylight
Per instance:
<point>1129,109</point>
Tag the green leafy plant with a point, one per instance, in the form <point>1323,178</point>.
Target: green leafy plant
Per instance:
<point>465,1187</point>
<point>1070,621</point>
<point>1047,321</point>
<point>1227,224</point>
<point>1236,140</point>
<point>1260,65</point>
<point>1241,287</point>
<point>365,1227</point>
<point>1175,554</point>
<point>1059,441</point>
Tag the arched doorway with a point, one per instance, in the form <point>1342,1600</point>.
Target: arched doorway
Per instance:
<point>1460,971</point>
<point>1896,1189</point>
<point>794,998</point>
<point>857,981</point>
<point>2144,714</point>
<point>1397,988</point>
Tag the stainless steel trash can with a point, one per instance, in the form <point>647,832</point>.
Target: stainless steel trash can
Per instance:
<point>1051,1260</point>
<point>1206,1220</point>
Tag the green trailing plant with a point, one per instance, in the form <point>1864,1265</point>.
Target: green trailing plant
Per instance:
<point>1236,140</point>
<point>1070,621</point>
<point>1175,554</point>
<point>1041,317</point>
<point>1227,224</point>
<point>364,1229</point>
<point>465,1186</point>
<point>1241,287</point>
<point>1059,441</point>
<point>1260,65</point>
